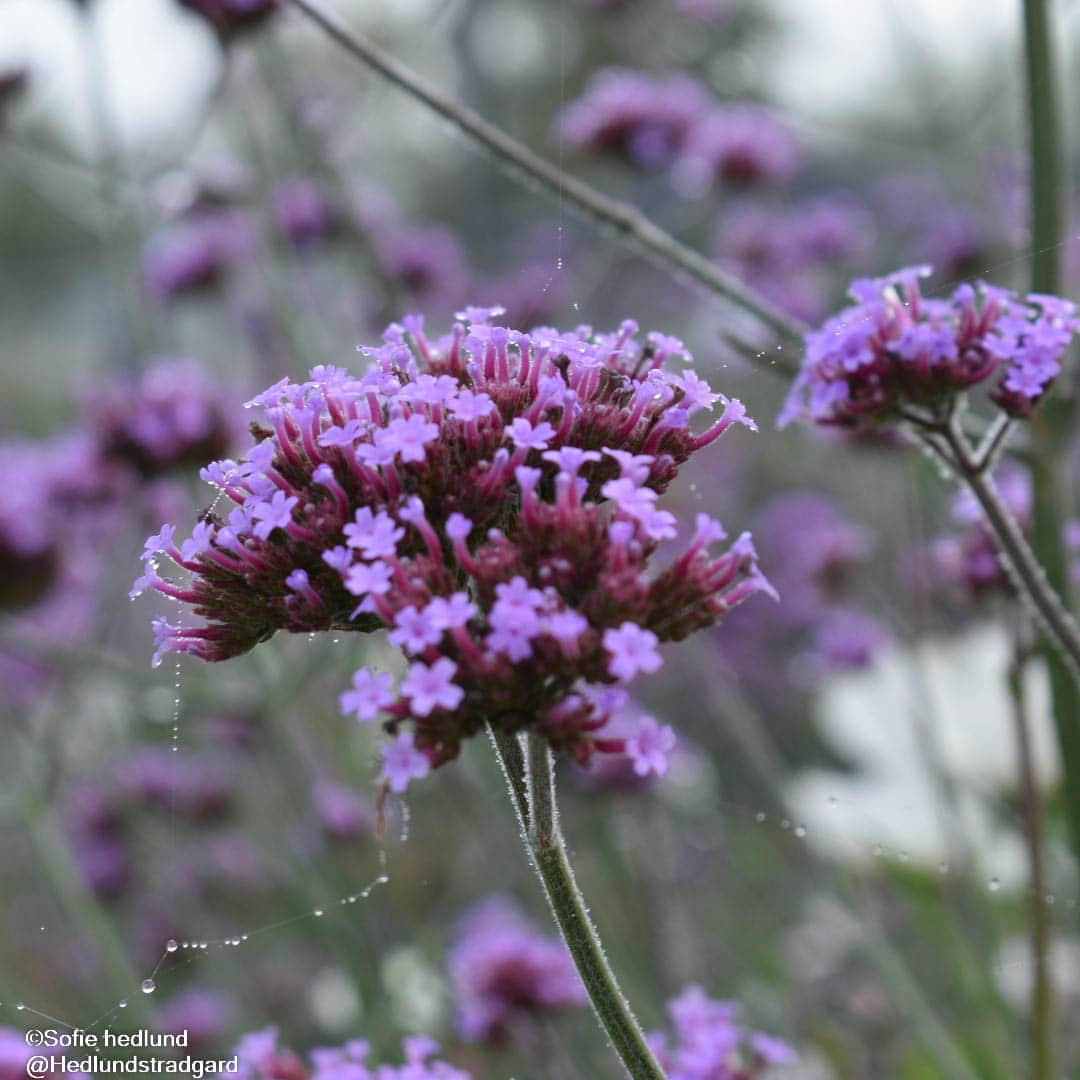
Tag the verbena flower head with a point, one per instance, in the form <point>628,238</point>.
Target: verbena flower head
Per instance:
<point>303,213</point>
<point>172,416</point>
<point>643,116</point>
<point>489,498</point>
<point>261,1057</point>
<point>737,144</point>
<point>894,348</point>
<point>709,1044</point>
<point>502,967</point>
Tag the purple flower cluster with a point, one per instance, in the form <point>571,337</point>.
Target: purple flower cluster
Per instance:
<point>819,629</point>
<point>895,348</point>
<point>172,416</point>
<point>196,252</point>
<point>661,120</point>
<point>490,499</point>
<point>303,213</point>
<point>54,491</point>
<point>792,256</point>
<point>261,1057</point>
<point>710,1045</point>
<point>502,966</point>
<point>193,788</point>
<point>968,559</point>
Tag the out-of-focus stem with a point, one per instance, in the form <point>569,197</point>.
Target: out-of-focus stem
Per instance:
<point>547,852</point>
<point>627,221</point>
<point>1051,428</point>
<point>1030,577</point>
<point>1041,1016</point>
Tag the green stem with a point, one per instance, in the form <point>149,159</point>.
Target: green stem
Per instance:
<point>548,853</point>
<point>1041,1016</point>
<point>626,221</point>
<point>1051,426</point>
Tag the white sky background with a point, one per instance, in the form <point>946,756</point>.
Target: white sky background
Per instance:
<point>162,62</point>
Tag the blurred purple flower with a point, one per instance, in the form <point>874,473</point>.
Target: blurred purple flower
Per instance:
<point>710,1045</point>
<point>195,253</point>
<point>737,144</point>
<point>172,416</point>
<point>205,1014</point>
<point>303,213</point>
<point>646,117</point>
<point>261,1057</point>
<point>502,967</point>
<point>343,814</point>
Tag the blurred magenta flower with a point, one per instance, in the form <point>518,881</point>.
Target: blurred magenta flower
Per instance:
<point>15,1055</point>
<point>263,1058</point>
<point>303,213</point>
<point>194,254</point>
<point>710,1045</point>
<point>502,967</point>
<point>646,117</point>
<point>172,416</point>
<point>895,349</point>
<point>490,499</point>
<point>737,144</point>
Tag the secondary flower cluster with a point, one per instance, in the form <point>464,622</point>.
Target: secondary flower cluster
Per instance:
<point>675,120</point>
<point>490,499</point>
<point>710,1045</point>
<point>172,416</point>
<point>896,348</point>
<point>502,967</point>
<point>262,1058</point>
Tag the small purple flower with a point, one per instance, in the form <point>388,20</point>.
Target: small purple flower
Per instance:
<point>370,693</point>
<point>632,650</point>
<point>650,747</point>
<point>432,687</point>
<point>402,762</point>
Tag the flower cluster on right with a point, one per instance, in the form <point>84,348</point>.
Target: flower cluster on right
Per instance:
<point>895,348</point>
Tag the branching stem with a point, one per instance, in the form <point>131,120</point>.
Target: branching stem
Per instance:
<point>625,220</point>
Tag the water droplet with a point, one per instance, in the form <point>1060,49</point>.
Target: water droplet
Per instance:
<point>760,816</point>
<point>20,1006</point>
<point>993,884</point>
<point>785,824</point>
<point>171,945</point>
<point>318,913</point>
<point>1051,899</point>
<point>800,831</point>
<point>148,986</point>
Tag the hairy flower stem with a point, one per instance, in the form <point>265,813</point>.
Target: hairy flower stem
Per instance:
<point>547,851</point>
<point>625,220</point>
<point>1041,1016</point>
<point>1042,590</point>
